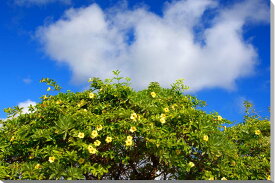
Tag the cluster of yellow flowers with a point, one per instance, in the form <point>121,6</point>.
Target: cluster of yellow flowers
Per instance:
<point>94,134</point>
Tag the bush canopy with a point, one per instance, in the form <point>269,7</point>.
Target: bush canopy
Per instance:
<point>111,131</point>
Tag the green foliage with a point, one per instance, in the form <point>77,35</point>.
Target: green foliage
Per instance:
<point>111,131</point>
<point>52,83</point>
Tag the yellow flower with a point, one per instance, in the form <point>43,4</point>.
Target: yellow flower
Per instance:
<point>91,95</point>
<point>81,160</point>
<point>153,94</point>
<point>12,138</point>
<point>81,103</point>
<point>91,149</point>
<point>166,109</point>
<point>94,134</point>
<point>268,177</point>
<point>37,166</point>
<point>70,139</point>
<point>81,135</point>
<point>58,102</point>
<point>134,116</point>
<point>223,178</point>
<point>31,157</point>
<point>163,115</point>
<point>205,138</point>
<point>211,178</point>
<point>191,164</point>
<point>49,88</point>
<point>99,127</point>
<point>51,159</point>
<point>162,120</point>
<point>108,139</point>
<point>129,137</point>
<point>97,143</point>
<point>129,142</point>
<point>174,106</point>
<point>219,118</point>
<point>133,129</point>
<point>257,132</point>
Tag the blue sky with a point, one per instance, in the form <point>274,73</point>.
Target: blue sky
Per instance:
<point>220,47</point>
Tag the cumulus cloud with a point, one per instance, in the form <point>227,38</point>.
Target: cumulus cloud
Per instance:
<point>149,47</point>
<point>40,2</point>
<point>25,105</point>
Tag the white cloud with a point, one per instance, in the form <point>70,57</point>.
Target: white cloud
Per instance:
<point>148,47</point>
<point>25,105</point>
<point>40,2</point>
<point>27,80</point>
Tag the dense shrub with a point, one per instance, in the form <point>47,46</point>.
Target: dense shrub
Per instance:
<point>111,131</point>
